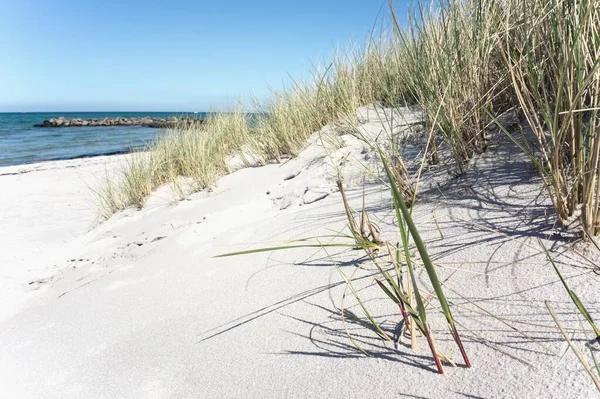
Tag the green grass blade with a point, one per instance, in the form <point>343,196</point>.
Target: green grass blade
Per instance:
<point>576,301</point>
<point>433,278</point>
<point>387,291</point>
<point>435,282</point>
<point>422,313</point>
<point>378,329</point>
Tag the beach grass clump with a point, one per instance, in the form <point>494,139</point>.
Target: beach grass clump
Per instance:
<point>453,71</point>
<point>128,186</point>
<point>552,52</point>
<point>137,183</point>
<point>288,122</point>
<point>397,277</point>
<point>199,151</point>
<point>467,62</point>
<point>357,77</point>
<point>202,151</point>
<point>107,198</point>
<point>408,229</point>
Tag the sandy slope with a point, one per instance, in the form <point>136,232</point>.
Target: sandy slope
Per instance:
<point>141,309</point>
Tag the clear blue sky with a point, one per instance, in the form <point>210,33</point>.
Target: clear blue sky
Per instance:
<point>146,55</point>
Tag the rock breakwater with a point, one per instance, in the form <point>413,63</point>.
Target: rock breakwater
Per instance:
<point>145,121</point>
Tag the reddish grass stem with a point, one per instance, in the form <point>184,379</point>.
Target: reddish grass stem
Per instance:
<point>456,337</point>
<point>404,314</point>
<point>438,363</point>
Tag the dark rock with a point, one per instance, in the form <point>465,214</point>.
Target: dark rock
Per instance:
<point>146,121</point>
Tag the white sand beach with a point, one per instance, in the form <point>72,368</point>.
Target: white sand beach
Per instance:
<point>46,209</point>
<point>137,307</point>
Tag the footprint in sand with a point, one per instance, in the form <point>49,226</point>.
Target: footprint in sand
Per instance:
<point>36,284</point>
<point>292,175</point>
<point>315,194</point>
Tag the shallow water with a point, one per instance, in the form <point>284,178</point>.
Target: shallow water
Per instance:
<point>21,143</point>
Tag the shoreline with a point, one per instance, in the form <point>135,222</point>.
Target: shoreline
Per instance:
<point>126,151</point>
<point>67,162</point>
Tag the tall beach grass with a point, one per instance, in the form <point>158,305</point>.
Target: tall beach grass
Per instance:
<point>464,63</point>
<point>552,55</point>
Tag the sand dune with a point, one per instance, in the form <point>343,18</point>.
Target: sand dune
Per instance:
<point>138,307</point>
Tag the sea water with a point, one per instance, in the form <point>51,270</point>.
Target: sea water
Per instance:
<point>21,143</point>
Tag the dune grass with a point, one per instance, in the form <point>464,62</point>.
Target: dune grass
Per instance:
<point>470,61</point>
<point>452,70</point>
<point>462,62</point>
<point>199,152</point>
<point>202,152</point>
<point>553,56</point>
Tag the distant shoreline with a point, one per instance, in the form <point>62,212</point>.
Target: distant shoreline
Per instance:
<point>71,158</point>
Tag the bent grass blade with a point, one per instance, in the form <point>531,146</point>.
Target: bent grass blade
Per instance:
<point>576,301</point>
<point>575,349</point>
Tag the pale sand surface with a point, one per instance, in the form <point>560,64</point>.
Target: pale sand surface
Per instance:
<point>45,208</point>
<point>137,306</point>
